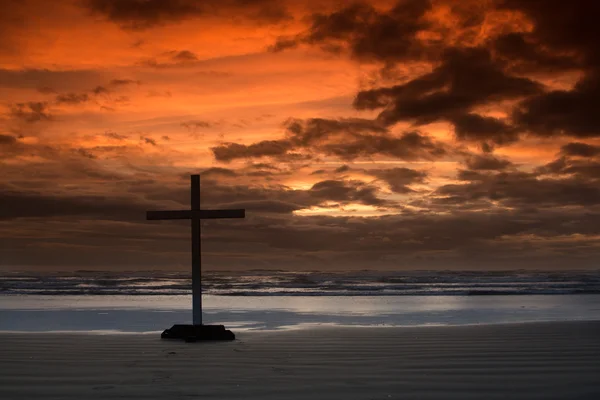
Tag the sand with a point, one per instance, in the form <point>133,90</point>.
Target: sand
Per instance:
<point>524,361</point>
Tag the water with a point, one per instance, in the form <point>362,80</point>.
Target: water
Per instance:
<point>267,300</point>
<point>279,283</point>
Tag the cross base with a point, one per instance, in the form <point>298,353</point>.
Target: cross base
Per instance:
<point>194,333</point>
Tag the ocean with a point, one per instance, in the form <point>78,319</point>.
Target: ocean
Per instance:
<point>134,302</point>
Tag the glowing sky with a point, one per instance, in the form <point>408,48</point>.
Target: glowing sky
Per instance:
<point>405,134</point>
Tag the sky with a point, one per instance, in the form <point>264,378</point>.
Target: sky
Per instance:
<point>396,135</point>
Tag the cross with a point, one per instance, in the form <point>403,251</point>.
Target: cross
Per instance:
<point>195,214</point>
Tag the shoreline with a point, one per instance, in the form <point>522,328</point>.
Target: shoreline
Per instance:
<point>302,327</point>
<point>143,314</point>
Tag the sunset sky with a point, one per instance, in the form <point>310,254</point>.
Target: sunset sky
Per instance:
<point>415,134</point>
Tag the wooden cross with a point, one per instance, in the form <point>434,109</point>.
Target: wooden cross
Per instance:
<point>195,214</point>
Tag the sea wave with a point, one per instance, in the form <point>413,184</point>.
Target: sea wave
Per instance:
<point>280,283</point>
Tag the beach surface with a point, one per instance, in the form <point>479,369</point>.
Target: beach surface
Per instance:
<point>554,360</point>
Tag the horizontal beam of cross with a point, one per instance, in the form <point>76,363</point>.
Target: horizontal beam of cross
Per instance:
<point>193,214</point>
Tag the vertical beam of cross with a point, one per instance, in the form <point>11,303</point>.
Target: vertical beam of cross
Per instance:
<point>196,260</point>
<point>195,214</point>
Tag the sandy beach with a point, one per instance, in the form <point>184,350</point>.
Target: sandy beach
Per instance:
<point>558,360</point>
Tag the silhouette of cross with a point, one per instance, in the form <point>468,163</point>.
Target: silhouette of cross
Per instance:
<point>195,214</point>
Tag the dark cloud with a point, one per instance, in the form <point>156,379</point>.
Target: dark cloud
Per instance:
<point>148,140</point>
<point>562,112</point>
<point>144,14</point>
<point>520,189</point>
<point>264,166</point>
<point>263,206</point>
<point>115,136</point>
<point>519,238</point>
<point>525,55</point>
<point>17,204</point>
<point>409,146</point>
<point>184,56</point>
<point>577,159</point>
<point>486,162</point>
<point>231,151</point>
<point>474,127</point>
<point>399,179</point>
<point>259,196</point>
<point>6,140</point>
<point>85,153</point>
<point>367,33</point>
<point>31,111</point>
<point>48,81</point>
<point>304,132</point>
<point>347,192</point>
<point>562,26</point>
<point>470,175</point>
<point>124,82</point>
<point>78,98</point>
<point>562,30</point>
<point>72,98</point>
<point>216,171</point>
<point>140,14</point>
<point>271,236</point>
<point>98,90</point>
<point>347,139</point>
<point>580,149</point>
<point>465,79</point>
<point>172,59</point>
<point>586,170</point>
<point>191,125</point>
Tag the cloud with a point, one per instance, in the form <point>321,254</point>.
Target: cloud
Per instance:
<point>172,59</point>
<point>368,34</point>
<point>580,149</point>
<point>260,196</point>
<point>399,179</point>
<point>520,189</point>
<point>486,162</point>
<point>72,98</point>
<point>465,79</point>
<point>216,171</point>
<point>342,169</point>
<point>576,159</point>
<point>196,124</point>
<point>138,14</point>
<point>124,82</point>
<point>561,26</point>
<point>115,136</point>
<point>231,151</point>
<point>347,192</point>
<point>263,206</point>
<point>478,67</point>
<point>6,140</point>
<point>49,81</point>
<point>562,112</point>
<point>31,204</point>
<point>474,127</point>
<point>144,14</point>
<point>347,139</point>
<point>32,111</point>
<point>148,140</point>
<point>526,55</point>
<point>184,56</point>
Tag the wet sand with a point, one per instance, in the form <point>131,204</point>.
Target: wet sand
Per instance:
<point>555,360</point>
